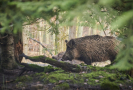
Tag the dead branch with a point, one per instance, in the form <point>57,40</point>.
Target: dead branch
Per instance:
<point>41,45</point>
<point>64,65</point>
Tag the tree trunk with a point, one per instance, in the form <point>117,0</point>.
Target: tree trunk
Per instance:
<point>25,40</point>
<point>56,43</point>
<point>7,51</point>
<point>18,46</point>
<point>80,31</point>
<point>72,32</point>
<point>131,71</point>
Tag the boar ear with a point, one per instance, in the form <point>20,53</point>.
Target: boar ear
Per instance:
<point>66,41</point>
<point>70,43</point>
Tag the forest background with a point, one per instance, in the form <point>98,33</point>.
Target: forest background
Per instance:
<point>73,16</point>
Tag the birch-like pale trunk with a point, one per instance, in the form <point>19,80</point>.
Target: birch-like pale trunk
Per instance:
<point>72,32</point>
<point>41,24</point>
<point>25,40</point>
<point>80,31</point>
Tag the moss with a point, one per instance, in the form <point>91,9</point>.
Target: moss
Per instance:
<point>37,57</point>
<point>62,86</point>
<point>57,76</point>
<point>39,74</point>
<point>47,58</point>
<point>45,69</point>
<point>63,62</point>
<point>78,68</point>
<point>36,67</point>
<point>129,77</point>
<point>109,86</point>
<point>97,76</point>
<point>43,77</point>
<point>20,85</point>
<point>59,71</point>
<point>24,78</point>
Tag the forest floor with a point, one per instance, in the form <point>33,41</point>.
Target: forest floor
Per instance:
<point>95,78</point>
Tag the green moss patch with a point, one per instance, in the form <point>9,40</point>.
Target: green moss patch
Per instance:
<point>109,86</point>
<point>45,69</point>
<point>62,86</point>
<point>37,57</point>
<point>93,76</point>
<point>25,78</point>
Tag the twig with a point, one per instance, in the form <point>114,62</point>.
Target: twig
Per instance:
<point>31,22</point>
<point>102,28</point>
<point>41,45</point>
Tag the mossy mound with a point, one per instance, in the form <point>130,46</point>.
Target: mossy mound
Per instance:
<point>62,86</point>
<point>25,78</point>
<point>93,76</point>
<point>109,86</point>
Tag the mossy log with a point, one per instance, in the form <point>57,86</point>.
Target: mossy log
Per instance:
<point>64,65</point>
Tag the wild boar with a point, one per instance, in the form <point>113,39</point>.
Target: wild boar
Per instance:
<point>91,49</point>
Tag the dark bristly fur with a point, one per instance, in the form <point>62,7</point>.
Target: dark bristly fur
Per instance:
<point>91,49</point>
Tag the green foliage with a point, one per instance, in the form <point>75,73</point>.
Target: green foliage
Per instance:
<point>123,25</point>
<point>22,13</point>
<point>122,20</point>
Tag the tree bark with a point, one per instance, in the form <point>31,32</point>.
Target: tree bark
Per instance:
<point>7,51</point>
<point>18,46</point>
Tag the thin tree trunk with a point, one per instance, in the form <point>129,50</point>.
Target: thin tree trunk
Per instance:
<point>80,31</point>
<point>41,24</point>
<point>72,32</point>
<point>40,39</point>
<point>25,40</point>
<point>56,43</point>
<point>53,43</point>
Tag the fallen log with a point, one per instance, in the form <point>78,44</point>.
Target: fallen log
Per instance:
<point>63,65</point>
